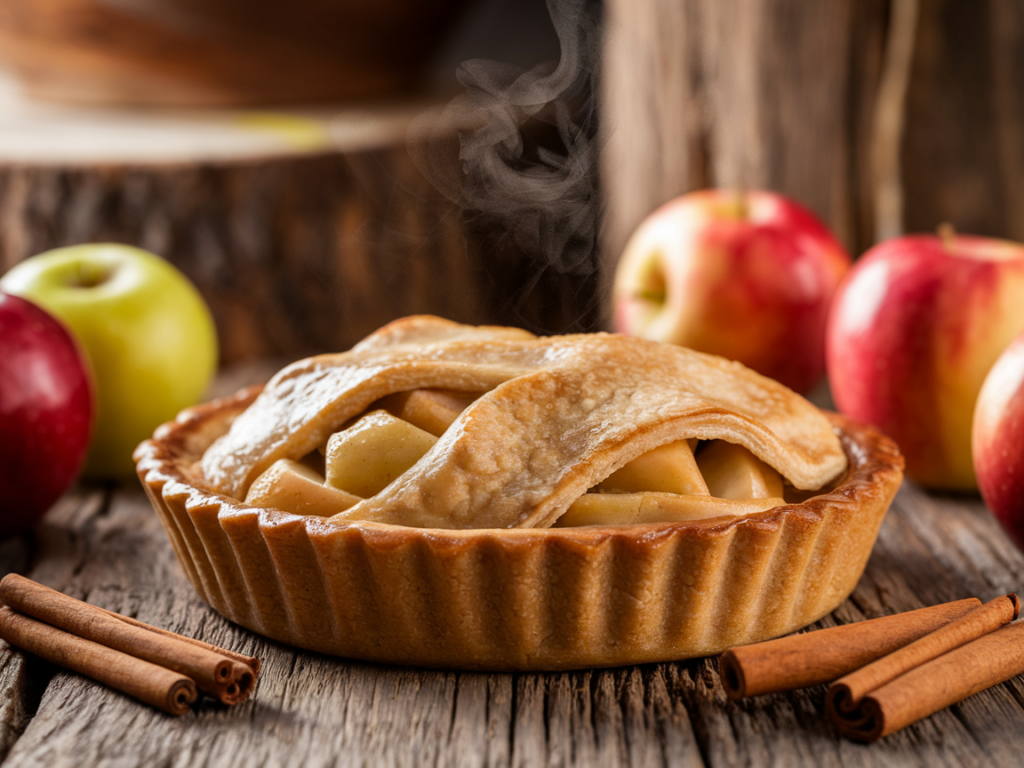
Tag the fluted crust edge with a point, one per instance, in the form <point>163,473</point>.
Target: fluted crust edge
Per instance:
<point>517,599</point>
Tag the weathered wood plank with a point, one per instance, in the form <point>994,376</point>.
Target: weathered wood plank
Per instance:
<point>294,255</point>
<point>967,79</point>
<point>18,694</point>
<point>309,709</point>
<point>739,94</point>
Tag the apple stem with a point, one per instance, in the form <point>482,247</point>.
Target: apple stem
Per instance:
<point>947,233</point>
<point>652,284</point>
<point>740,196</point>
<point>654,297</point>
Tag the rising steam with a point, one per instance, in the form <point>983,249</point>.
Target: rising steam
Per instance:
<point>524,171</point>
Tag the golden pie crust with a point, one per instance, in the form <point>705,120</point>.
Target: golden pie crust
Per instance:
<point>525,597</point>
<point>558,415</point>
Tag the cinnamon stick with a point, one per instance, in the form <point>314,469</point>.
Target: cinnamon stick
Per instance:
<point>160,687</point>
<point>813,658</point>
<point>924,690</point>
<point>213,671</point>
<point>844,695</point>
<point>252,662</point>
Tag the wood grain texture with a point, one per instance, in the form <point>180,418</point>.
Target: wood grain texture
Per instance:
<point>654,116</point>
<point>741,93</point>
<point>967,78</point>
<point>18,692</point>
<point>294,254</point>
<point>297,249</point>
<point>878,128</point>
<point>107,546</point>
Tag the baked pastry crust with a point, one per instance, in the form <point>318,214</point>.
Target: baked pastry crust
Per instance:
<point>558,416</point>
<point>522,598</point>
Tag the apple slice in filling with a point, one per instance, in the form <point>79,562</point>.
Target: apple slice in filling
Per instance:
<point>432,410</point>
<point>733,472</point>
<point>299,489</point>
<point>669,469</point>
<point>630,508</point>
<point>365,458</point>
<point>668,484</point>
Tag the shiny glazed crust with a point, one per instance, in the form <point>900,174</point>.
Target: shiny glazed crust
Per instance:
<point>517,599</point>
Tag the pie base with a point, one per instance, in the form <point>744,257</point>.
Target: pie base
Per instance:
<point>516,599</point>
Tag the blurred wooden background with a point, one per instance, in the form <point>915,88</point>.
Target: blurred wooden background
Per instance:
<point>881,115</point>
<point>220,52</point>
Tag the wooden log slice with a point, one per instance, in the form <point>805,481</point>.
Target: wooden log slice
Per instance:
<point>304,230</point>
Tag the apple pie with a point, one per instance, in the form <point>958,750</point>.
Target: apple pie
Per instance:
<point>477,497</point>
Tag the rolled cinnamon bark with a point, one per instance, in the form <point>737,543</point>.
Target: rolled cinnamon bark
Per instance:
<point>160,687</point>
<point>814,658</point>
<point>252,662</point>
<point>845,694</point>
<point>924,690</point>
<point>214,672</point>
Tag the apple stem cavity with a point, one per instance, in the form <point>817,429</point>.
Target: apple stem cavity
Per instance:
<point>90,275</point>
<point>742,205</point>
<point>947,233</point>
<point>652,288</point>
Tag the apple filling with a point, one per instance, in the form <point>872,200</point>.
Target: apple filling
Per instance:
<point>683,480</point>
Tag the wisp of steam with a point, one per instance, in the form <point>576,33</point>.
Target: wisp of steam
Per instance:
<point>524,172</point>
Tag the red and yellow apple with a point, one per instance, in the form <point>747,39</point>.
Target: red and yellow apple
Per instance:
<point>913,330</point>
<point>744,275</point>
<point>45,412</point>
<point>997,440</point>
<point>146,331</point>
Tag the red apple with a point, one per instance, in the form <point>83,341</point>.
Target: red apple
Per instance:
<point>145,329</point>
<point>45,412</point>
<point>997,440</point>
<point>913,330</point>
<point>745,275</point>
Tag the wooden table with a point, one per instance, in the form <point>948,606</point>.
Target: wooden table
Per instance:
<point>105,545</point>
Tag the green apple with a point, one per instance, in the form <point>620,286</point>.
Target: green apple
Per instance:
<point>147,333</point>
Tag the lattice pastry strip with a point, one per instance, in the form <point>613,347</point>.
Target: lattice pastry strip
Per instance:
<point>667,484</point>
